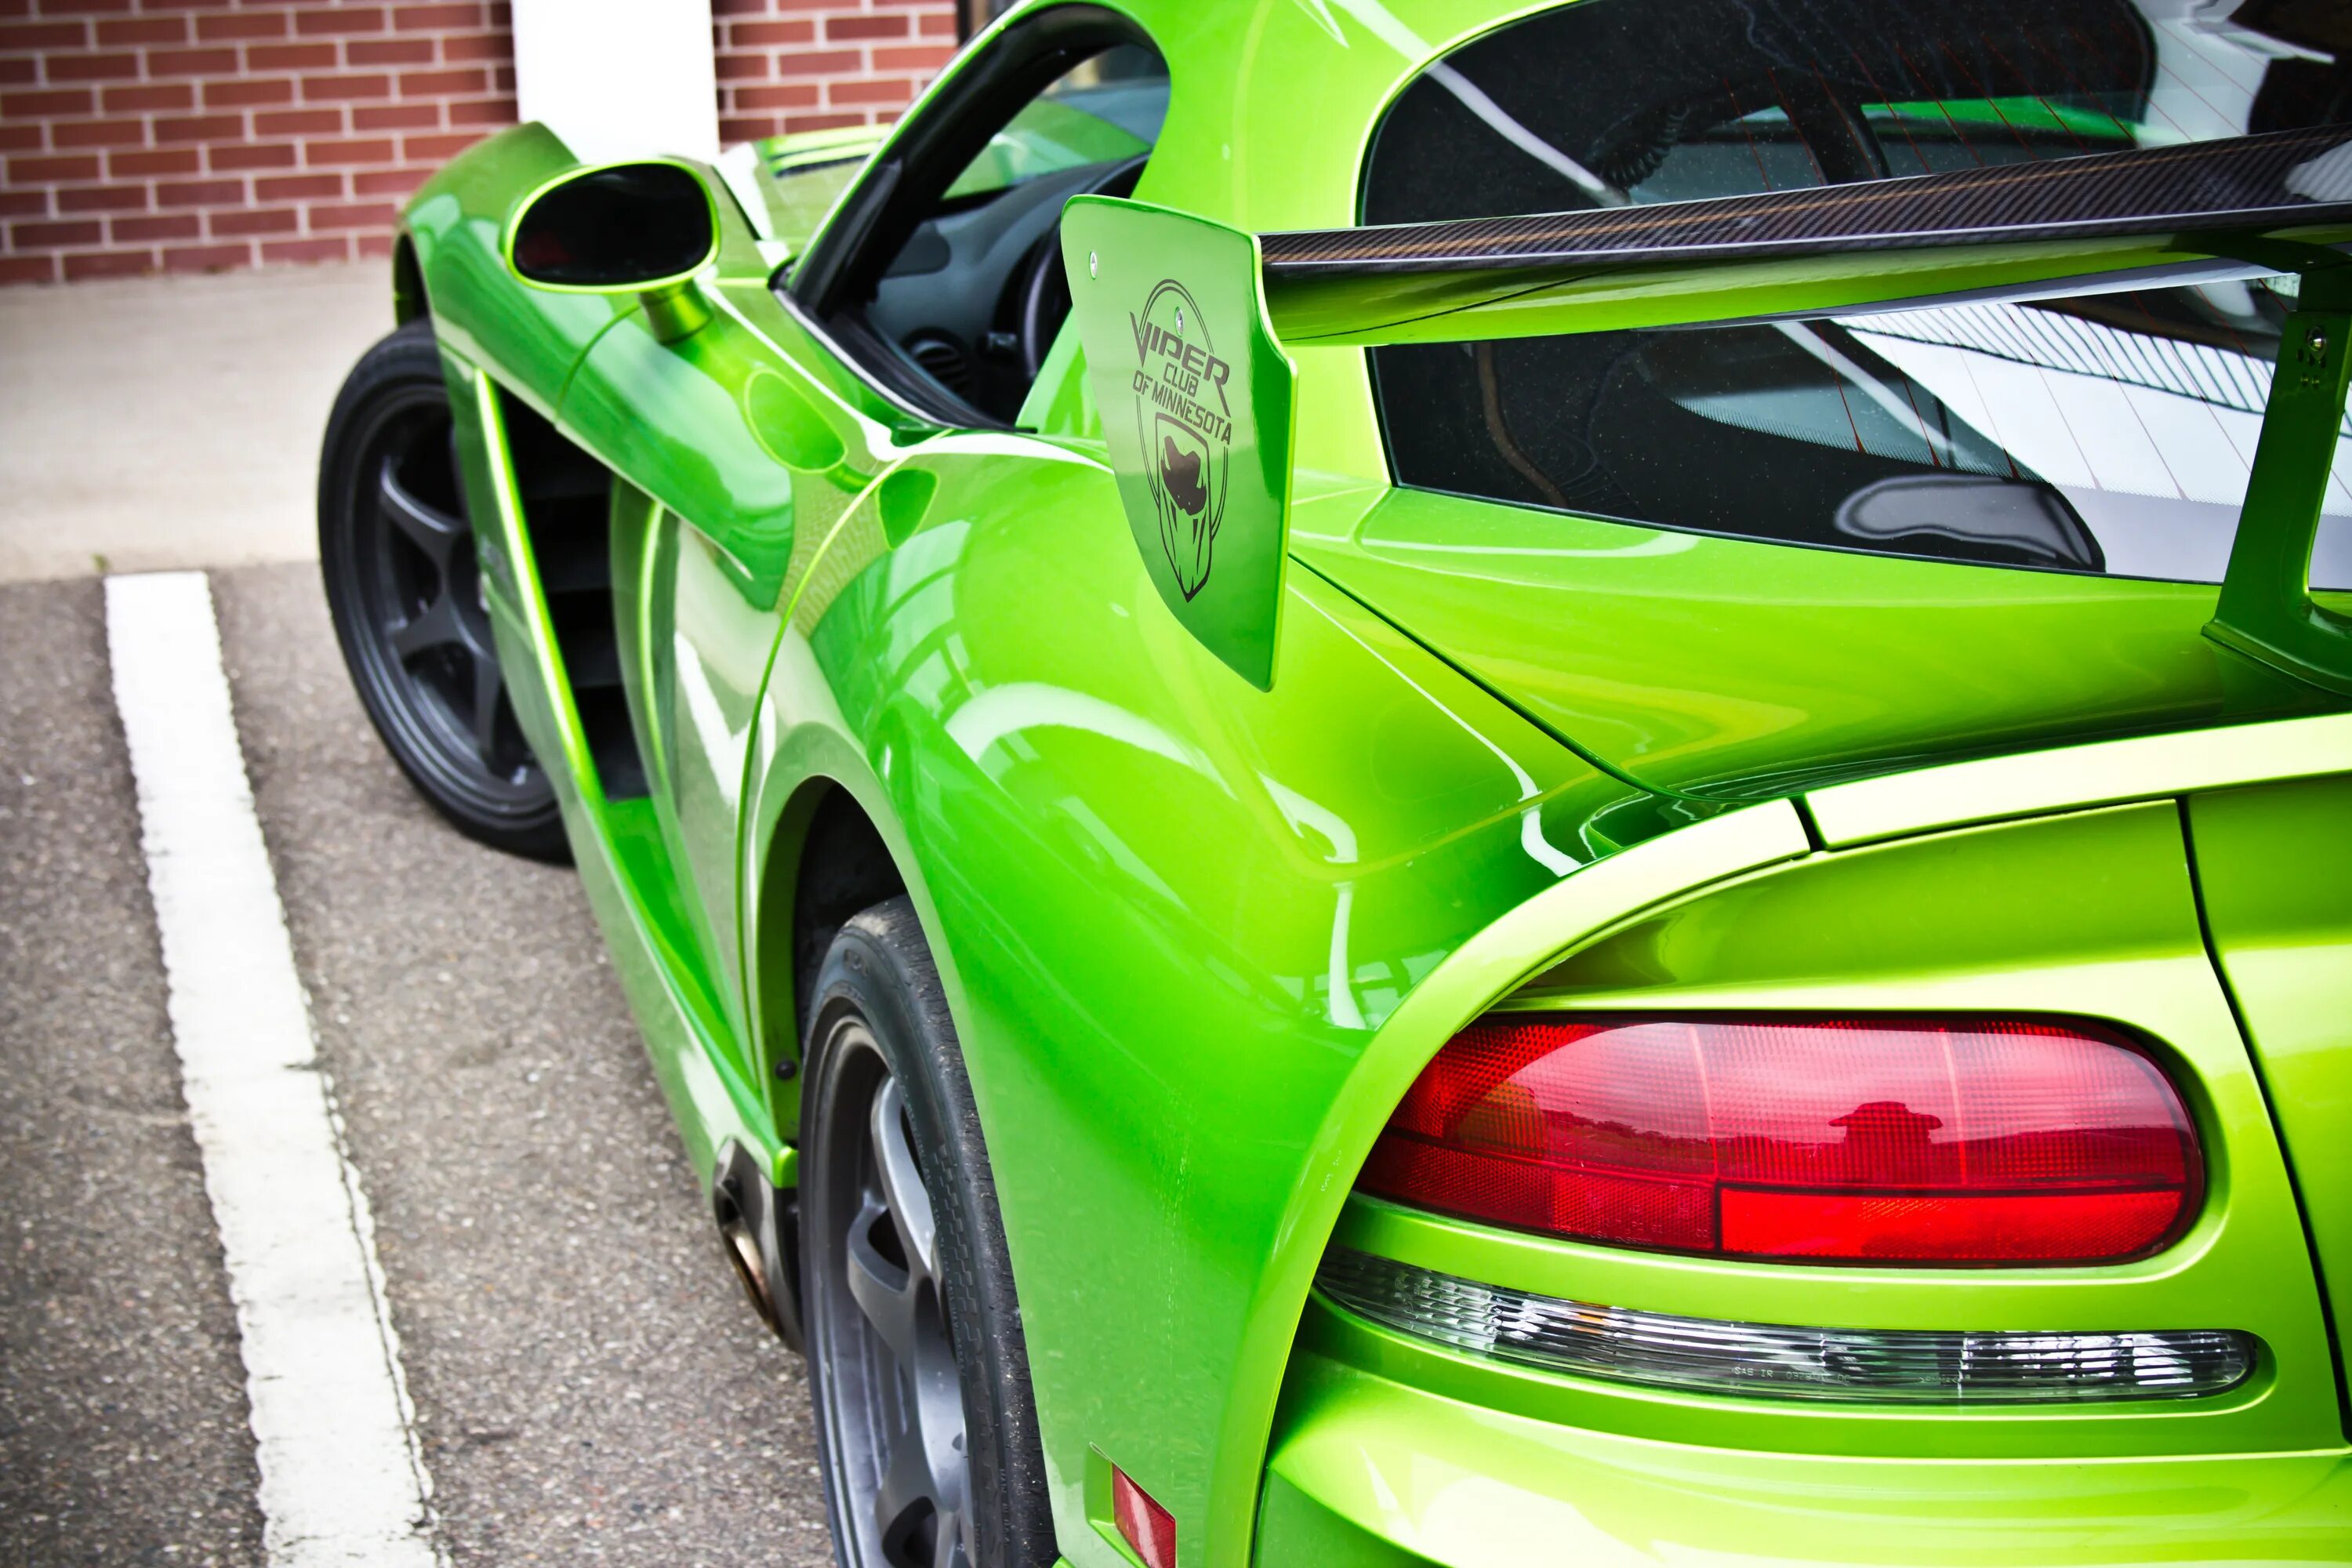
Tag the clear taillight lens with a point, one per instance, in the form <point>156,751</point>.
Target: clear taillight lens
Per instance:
<point>1895,1141</point>
<point>1710,1355</point>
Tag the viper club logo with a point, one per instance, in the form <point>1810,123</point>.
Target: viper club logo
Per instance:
<point>1185,423</point>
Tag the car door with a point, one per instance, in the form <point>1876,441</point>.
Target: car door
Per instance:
<point>742,437</point>
<point>732,463</point>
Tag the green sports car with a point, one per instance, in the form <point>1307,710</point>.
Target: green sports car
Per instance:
<point>1396,781</point>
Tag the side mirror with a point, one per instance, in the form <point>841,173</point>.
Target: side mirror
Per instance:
<point>645,228</point>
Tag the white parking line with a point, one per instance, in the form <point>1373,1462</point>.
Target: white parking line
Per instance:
<point>342,1479</point>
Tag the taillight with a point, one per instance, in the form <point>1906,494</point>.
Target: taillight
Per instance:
<point>1830,1140</point>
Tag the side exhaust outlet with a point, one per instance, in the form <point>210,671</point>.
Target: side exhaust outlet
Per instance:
<point>759,1232</point>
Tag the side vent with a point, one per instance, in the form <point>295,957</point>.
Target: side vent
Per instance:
<point>943,360</point>
<point>566,498</point>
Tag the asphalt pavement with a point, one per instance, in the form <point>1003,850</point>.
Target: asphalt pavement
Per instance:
<point>588,1387</point>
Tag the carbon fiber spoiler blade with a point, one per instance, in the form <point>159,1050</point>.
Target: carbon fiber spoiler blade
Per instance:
<point>2201,209</point>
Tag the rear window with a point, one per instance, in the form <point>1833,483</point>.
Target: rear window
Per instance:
<point>2109,432</point>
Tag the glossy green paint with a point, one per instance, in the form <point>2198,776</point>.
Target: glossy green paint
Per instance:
<point>1729,668</point>
<point>1197,401</point>
<point>1374,1472</point>
<point>2275,862</point>
<point>1198,937</point>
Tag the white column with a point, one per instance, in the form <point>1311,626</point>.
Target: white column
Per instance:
<point>619,79</point>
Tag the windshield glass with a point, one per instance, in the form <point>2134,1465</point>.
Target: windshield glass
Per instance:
<point>1106,109</point>
<point>2107,432</point>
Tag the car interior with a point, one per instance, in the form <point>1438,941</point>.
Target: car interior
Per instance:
<point>944,276</point>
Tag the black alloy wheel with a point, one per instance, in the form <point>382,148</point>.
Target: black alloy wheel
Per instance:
<point>396,550</point>
<point>918,1368</point>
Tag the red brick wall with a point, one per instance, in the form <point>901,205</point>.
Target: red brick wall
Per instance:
<point>190,135</point>
<point>805,65</point>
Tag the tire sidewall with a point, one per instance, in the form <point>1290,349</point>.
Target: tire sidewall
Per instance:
<point>403,369</point>
<point>880,974</point>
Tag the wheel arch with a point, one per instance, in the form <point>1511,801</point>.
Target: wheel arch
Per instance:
<point>409,300</point>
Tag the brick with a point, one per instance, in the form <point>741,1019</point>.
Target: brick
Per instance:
<point>937,25</point>
<point>109,264</point>
<point>436,148</point>
<point>156,98</point>
<point>890,92</point>
<point>190,62</point>
<point>365,215</point>
<point>248,222</point>
<point>49,170</point>
<point>444,83</point>
<point>73,133</point>
<point>139,30</point>
<point>43,236</point>
<point>249,156</point>
<point>738,7</point>
<point>926,58</point>
<point>201,193</point>
<point>769,35</point>
<point>85,7</point>
<point>458,48</point>
<point>344,89</point>
<point>436,18</point>
<point>297,122</point>
<point>147,230</point>
<point>20,138</point>
<point>298,188</point>
<point>388,181</point>
<point>207,258</point>
<point>102,199</point>
<point>388,52</point>
<point>241,25</point>
<point>489,111</point>
<point>23,203</point>
<point>290,56</point>
<point>823,122</point>
<point>28,269</point>
<point>249,92</point>
<point>884,26</point>
<point>741,68</point>
<point>44,36</point>
<point>200,128</point>
<point>157,161</point>
<point>373,246</point>
<point>335,248</point>
<point>328,154</point>
<point>796,95</point>
<point>341,19</point>
<point>834,62</point>
<point>15,71</point>
<point>747,129</point>
<point>46,105</point>
<point>396,117</point>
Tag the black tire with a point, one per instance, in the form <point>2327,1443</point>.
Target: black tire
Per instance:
<point>396,554</point>
<point>883,1069</point>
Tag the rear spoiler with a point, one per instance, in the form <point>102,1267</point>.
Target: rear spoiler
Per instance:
<point>1186,324</point>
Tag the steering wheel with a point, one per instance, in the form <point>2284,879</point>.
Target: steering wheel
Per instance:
<point>1042,289</point>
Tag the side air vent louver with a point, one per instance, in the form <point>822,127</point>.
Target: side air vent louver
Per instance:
<point>566,497</point>
<point>942,360</point>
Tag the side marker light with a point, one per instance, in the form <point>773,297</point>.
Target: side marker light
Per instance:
<point>1146,1526</point>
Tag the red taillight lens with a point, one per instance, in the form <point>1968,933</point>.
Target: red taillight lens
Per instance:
<point>1845,1139</point>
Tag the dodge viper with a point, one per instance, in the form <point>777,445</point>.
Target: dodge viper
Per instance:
<point>1444,781</point>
